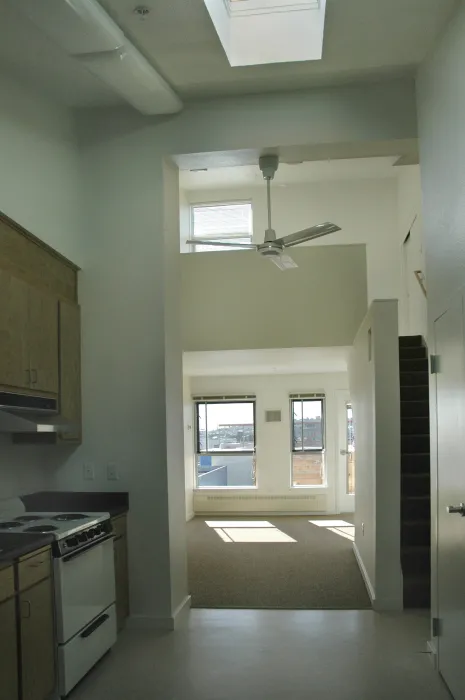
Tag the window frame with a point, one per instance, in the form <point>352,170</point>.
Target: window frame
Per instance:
<point>309,450</point>
<point>219,236</point>
<point>218,453</point>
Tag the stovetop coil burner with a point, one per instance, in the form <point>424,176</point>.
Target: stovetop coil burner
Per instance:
<point>64,517</point>
<point>41,528</point>
<point>28,518</point>
<point>9,525</point>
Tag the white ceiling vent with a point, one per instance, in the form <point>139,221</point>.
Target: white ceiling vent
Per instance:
<point>273,416</point>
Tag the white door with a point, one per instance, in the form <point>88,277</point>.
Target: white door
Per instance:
<point>450,383</point>
<point>346,455</point>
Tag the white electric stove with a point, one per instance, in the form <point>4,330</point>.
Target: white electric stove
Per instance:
<point>84,581</point>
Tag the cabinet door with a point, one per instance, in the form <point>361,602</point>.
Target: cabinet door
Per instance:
<point>43,341</point>
<point>8,651</point>
<point>37,641</point>
<point>14,344</point>
<point>121,572</point>
<point>70,368</point>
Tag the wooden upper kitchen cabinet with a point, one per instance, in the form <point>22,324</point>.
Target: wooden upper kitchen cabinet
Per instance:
<point>8,637</point>
<point>28,337</point>
<point>70,368</point>
<point>43,341</point>
<point>37,642</point>
<point>14,342</point>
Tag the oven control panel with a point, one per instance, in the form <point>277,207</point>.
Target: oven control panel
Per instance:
<point>84,538</point>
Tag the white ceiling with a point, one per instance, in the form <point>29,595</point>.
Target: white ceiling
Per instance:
<point>364,40</point>
<point>296,174</point>
<point>252,362</point>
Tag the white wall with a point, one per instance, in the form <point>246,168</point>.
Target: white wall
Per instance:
<point>125,279</point>
<point>238,300</point>
<point>412,301</point>
<point>366,211</point>
<point>375,394</point>
<point>40,189</point>
<point>189,456</point>
<point>441,105</point>
<point>40,183</point>
<point>273,453</point>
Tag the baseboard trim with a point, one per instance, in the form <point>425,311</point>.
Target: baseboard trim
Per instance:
<point>167,624</point>
<point>258,513</point>
<point>366,578</point>
<point>432,651</point>
<point>190,517</point>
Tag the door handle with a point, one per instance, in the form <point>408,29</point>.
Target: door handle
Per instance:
<point>343,453</point>
<point>26,613</point>
<point>459,510</point>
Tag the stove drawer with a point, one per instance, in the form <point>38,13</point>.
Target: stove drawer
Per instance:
<point>83,651</point>
<point>35,568</point>
<point>84,586</point>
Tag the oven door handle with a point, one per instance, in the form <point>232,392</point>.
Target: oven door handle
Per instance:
<point>83,550</point>
<point>94,626</point>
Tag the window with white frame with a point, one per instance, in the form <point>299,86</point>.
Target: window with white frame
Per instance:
<point>221,221</point>
<point>225,442</point>
<point>308,440</point>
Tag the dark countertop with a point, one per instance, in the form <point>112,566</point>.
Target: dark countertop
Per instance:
<point>13,545</point>
<point>113,502</point>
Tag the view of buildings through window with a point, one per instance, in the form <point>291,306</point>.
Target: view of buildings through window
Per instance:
<point>225,444</point>
<point>308,465</point>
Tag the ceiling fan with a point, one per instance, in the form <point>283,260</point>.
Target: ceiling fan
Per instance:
<point>272,247</point>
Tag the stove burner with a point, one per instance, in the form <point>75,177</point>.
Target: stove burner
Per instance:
<point>69,516</point>
<point>28,518</point>
<point>41,528</point>
<point>9,525</point>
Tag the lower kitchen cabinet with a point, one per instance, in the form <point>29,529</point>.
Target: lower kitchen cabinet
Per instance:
<point>8,651</point>
<point>37,641</point>
<point>121,570</point>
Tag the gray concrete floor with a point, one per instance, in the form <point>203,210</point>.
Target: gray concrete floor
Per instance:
<point>268,654</point>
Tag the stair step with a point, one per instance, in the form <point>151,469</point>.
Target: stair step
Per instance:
<point>416,485</point>
<point>415,365</point>
<point>415,425</point>
<point>417,591</point>
<point>416,560</point>
<point>406,353</point>
<point>415,533</point>
<point>415,444</point>
<point>414,379</point>
<point>416,508</point>
<point>411,341</point>
<point>414,409</point>
<point>415,463</point>
<point>414,393</point>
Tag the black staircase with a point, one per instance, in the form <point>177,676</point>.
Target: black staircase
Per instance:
<point>415,472</point>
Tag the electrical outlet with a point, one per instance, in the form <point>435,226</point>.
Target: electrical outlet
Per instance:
<point>112,471</point>
<point>88,471</point>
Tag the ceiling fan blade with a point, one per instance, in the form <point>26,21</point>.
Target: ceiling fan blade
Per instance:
<point>223,244</point>
<point>308,234</point>
<point>284,262</point>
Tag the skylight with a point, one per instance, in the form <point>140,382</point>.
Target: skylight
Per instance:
<point>269,31</point>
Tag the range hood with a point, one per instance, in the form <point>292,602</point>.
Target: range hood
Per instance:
<point>24,413</point>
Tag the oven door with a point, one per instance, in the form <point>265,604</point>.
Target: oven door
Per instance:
<point>84,587</point>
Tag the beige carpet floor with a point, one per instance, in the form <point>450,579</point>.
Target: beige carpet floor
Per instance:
<point>291,565</point>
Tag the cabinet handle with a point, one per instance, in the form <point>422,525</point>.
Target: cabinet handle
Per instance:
<point>28,376</point>
<point>23,614</point>
<point>34,376</point>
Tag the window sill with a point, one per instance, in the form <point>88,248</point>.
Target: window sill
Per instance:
<point>225,488</point>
